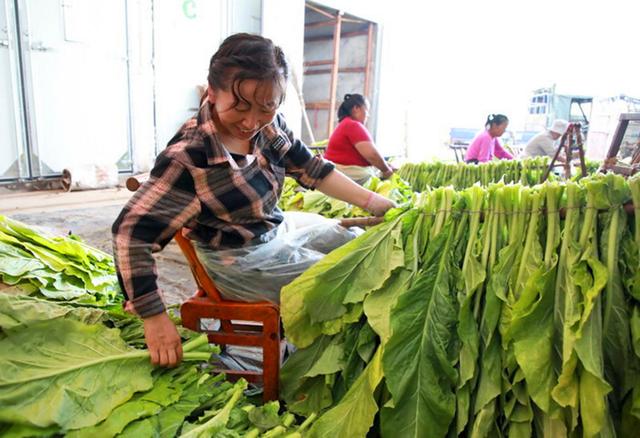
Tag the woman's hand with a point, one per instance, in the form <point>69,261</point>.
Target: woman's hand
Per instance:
<point>163,341</point>
<point>391,169</point>
<point>378,205</point>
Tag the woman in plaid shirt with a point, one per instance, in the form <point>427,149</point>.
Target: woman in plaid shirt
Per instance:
<point>220,178</point>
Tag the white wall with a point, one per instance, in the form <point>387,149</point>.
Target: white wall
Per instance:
<point>141,80</point>
<point>283,22</point>
<point>184,43</point>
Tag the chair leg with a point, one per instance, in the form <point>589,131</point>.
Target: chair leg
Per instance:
<point>190,316</point>
<point>193,312</point>
<point>271,356</point>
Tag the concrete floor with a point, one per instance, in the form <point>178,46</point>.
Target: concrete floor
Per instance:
<point>89,214</point>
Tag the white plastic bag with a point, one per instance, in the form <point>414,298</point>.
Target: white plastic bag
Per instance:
<point>258,272</point>
<point>90,177</point>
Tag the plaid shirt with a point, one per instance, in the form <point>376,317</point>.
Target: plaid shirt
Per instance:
<point>198,185</point>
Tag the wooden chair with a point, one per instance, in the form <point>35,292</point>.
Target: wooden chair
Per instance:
<point>459,150</point>
<point>208,304</point>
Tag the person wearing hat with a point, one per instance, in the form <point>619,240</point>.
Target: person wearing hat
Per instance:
<point>544,143</point>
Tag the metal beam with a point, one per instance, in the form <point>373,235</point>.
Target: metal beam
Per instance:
<point>319,62</point>
<point>318,105</point>
<point>340,70</point>
<point>353,20</point>
<point>334,73</point>
<point>320,11</point>
<point>319,24</point>
<point>330,37</point>
<point>367,71</point>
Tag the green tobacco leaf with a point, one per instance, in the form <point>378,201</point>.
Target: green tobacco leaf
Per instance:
<point>635,329</point>
<point>266,416</point>
<point>27,431</point>
<point>353,364</point>
<point>330,361</point>
<point>489,386</point>
<point>314,395</point>
<point>295,388</point>
<point>354,415</point>
<point>533,348</point>
<point>163,394</point>
<point>593,386</point>
<point>419,356</point>
<point>473,277</point>
<point>535,305</point>
<point>490,382</point>
<point>315,202</point>
<point>18,311</point>
<point>377,306</point>
<point>218,422</point>
<point>16,262</point>
<point>367,343</point>
<point>63,245</point>
<point>79,372</point>
<point>50,258</point>
<point>377,256</point>
<point>60,267</point>
<point>581,278</point>
<point>319,294</point>
<point>168,421</point>
<point>616,330</point>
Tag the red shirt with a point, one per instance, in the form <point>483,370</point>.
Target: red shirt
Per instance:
<point>342,143</point>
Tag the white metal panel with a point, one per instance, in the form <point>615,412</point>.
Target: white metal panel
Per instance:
<point>283,22</point>
<point>77,61</point>
<point>186,34</point>
<point>12,152</point>
<point>141,80</point>
<point>246,16</point>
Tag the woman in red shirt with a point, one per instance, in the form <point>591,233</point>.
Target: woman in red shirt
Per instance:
<point>351,147</point>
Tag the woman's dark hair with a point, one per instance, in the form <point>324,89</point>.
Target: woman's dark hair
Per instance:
<point>243,57</point>
<point>350,101</point>
<point>496,119</point>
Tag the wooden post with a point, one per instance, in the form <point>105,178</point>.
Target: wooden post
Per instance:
<point>580,146</point>
<point>562,146</point>
<point>367,68</point>
<point>334,73</point>
<point>568,152</point>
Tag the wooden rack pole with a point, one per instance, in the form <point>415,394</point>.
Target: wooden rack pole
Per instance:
<point>367,71</point>
<point>334,73</point>
<point>568,149</point>
<point>319,11</point>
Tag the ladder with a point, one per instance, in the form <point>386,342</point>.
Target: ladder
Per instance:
<point>571,141</point>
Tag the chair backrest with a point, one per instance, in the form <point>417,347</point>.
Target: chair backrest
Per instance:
<point>204,282</point>
<point>460,151</point>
